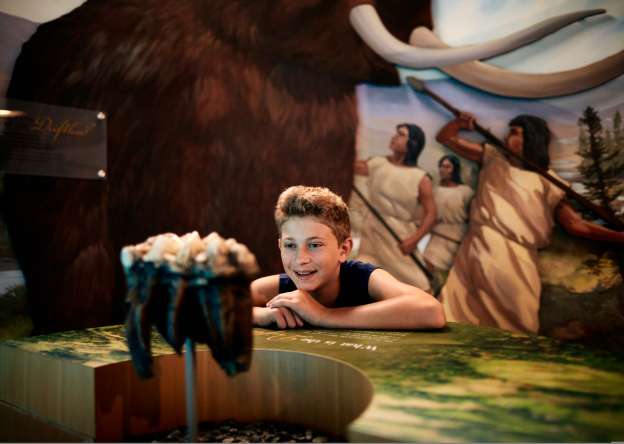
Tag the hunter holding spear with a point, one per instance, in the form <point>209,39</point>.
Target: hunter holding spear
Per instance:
<point>494,279</point>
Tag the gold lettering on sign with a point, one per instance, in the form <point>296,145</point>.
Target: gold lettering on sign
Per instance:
<point>67,127</point>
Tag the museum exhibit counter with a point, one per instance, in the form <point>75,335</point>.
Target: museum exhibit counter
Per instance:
<point>462,384</point>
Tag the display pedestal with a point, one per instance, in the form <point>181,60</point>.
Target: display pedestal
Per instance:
<point>463,384</point>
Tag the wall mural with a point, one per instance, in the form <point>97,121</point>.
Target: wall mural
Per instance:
<point>210,117</point>
<point>581,283</point>
<point>573,289</point>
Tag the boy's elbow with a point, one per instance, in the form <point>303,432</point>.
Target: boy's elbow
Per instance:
<point>255,290</point>
<point>438,319</point>
<point>433,315</point>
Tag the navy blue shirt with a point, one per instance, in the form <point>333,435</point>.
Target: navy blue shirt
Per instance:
<point>354,276</point>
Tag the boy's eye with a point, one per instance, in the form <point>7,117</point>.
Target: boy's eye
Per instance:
<point>314,245</point>
<point>289,245</point>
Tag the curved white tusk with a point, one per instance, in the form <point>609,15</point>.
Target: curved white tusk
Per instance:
<point>514,84</point>
<point>368,25</point>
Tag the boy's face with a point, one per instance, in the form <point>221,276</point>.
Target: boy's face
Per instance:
<point>311,254</point>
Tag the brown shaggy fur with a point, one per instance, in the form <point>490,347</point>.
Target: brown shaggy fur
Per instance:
<point>214,107</point>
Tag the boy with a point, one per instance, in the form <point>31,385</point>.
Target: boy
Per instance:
<point>321,287</point>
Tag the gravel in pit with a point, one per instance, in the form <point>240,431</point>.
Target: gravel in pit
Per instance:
<point>232,431</point>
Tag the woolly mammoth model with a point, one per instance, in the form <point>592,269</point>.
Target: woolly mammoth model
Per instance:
<point>213,108</point>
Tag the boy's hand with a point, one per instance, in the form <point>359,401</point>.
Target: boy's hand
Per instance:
<point>282,316</point>
<point>302,304</point>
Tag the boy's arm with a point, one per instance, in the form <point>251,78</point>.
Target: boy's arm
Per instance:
<point>262,290</point>
<point>398,306</point>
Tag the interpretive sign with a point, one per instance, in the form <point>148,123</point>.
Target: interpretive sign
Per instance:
<point>49,140</point>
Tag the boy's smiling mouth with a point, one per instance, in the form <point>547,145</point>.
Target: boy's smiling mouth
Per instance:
<point>304,274</point>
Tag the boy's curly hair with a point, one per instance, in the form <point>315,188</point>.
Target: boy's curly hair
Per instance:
<point>319,202</point>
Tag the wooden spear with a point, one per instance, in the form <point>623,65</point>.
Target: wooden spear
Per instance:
<point>429,274</point>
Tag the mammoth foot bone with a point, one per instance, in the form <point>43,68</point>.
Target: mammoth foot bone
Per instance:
<point>190,288</point>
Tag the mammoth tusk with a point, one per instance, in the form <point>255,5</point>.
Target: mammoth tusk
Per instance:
<point>368,25</point>
<point>514,84</point>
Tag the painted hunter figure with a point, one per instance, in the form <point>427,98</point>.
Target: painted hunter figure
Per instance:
<point>403,194</point>
<point>452,199</point>
<point>494,279</point>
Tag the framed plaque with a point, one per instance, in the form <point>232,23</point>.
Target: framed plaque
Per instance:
<point>49,140</point>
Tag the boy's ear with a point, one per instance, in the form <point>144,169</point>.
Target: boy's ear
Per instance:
<point>279,243</point>
<point>345,249</point>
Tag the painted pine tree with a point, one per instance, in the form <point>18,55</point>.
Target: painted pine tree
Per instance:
<point>617,146</point>
<point>602,166</point>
